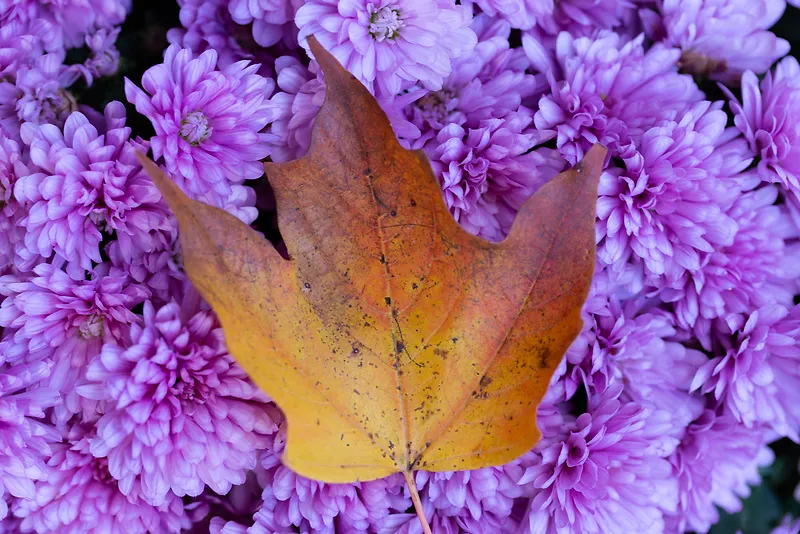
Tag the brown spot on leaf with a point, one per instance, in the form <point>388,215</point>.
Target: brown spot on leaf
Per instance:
<point>543,357</point>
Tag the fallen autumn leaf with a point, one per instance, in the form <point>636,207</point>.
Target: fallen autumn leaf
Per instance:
<point>392,336</point>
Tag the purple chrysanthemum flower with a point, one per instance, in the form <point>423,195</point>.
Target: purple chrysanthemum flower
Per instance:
<point>440,524</point>
<point>578,17</point>
<point>714,464</point>
<point>236,507</point>
<point>757,269</point>
<point>70,20</point>
<point>207,25</point>
<point>25,436</point>
<point>487,172</point>
<point>295,105</point>
<point>605,471</point>
<point>607,90</point>
<point>12,166</point>
<point>207,121</point>
<point>50,315</point>
<point>87,183</point>
<point>489,83</point>
<point>755,373</point>
<point>502,9</point>
<point>272,20</point>
<point>719,38</point>
<point>301,92</point>
<point>241,203</point>
<point>787,526</point>
<point>585,17</point>
<point>80,497</point>
<point>158,269</point>
<point>179,413</point>
<point>223,513</point>
<point>37,95</point>
<point>290,501</point>
<point>522,14</point>
<point>10,525</point>
<point>103,57</point>
<point>625,343</point>
<point>389,44</point>
<point>663,213</point>
<point>769,119</point>
<point>22,42</point>
<point>479,501</point>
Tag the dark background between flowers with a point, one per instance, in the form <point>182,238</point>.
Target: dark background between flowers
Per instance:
<point>141,44</point>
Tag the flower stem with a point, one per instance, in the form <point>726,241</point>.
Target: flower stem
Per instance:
<point>412,487</point>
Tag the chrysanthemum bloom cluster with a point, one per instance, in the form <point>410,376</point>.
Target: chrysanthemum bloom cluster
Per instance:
<point>179,414</point>
<point>207,121</point>
<point>120,407</point>
<point>79,495</point>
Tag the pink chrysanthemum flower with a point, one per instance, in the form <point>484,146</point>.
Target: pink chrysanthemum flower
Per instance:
<point>714,464</point>
<point>179,413</point>
<point>605,471</point>
<point>70,20</point>
<point>758,268</point>
<point>522,14</point>
<point>37,95</point>
<point>207,121</point>
<point>545,19</point>
<point>227,513</point>
<point>292,502</point>
<point>21,43</point>
<point>295,105</point>
<point>489,171</point>
<point>81,497</point>
<point>300,94</point>
<point>155,259</point>
<point>158,269</point>
<point>12,166</point>
<point>719,38</point>
<point>787,526</point>
<point>755,373</point>
<point>489,83</point>
<point>49,314</point>
<point>664,212</point>
<point>389,44</point>
<point>586,17</point>
<point>207,25</point>
<point>25,435</point>
<point>607,89</point>
<point>103,57</point>
<point>769,118</point>
<point>479,501</point>
<point>87,184</point>
<point>272,20</point>
<point>623,342</point>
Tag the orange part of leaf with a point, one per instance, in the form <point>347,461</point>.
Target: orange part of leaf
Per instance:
<point>393,340</point>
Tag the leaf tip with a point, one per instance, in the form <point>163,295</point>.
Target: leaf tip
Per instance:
<point>321,55</point>
<point>313,43</point>
<point>594,160</point>
<point>168,189</point>
<point>330,66</point>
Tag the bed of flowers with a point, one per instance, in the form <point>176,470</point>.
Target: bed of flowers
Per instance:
<point>121,410</point>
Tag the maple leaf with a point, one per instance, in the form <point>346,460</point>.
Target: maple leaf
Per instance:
<point>393,340</point>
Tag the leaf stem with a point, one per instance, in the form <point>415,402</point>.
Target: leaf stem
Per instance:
<point>412,488</point>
